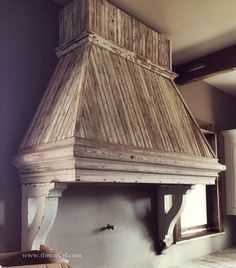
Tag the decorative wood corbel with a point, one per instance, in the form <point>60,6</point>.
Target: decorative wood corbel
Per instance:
<point>39,209</point>
<point>167,217</point>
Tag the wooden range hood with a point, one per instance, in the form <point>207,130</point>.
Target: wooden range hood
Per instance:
<point>111,113</point>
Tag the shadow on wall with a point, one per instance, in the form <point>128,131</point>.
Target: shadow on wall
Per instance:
<point>83,213</point>
<point>215,107</point>
<point>2,220</point>
<point>227,109</point>
<point>29,33</point>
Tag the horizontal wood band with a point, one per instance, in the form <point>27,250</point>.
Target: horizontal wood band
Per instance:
<point>125,177</point>
<point>85,158</point>
<point>127,54</point>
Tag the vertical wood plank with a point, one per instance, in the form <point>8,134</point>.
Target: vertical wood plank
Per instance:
<point>108,21</point>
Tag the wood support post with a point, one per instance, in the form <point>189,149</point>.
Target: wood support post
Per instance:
<point>167,217</point>
<point>39,209</point>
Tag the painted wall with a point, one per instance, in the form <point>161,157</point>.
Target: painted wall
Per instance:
<point>209,104</point>
<point>29,33</point>
<point>84,210</point>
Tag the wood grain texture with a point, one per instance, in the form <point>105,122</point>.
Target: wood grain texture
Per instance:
<point>73,20</point>
<point>106,117</point>
<point>79,160</point>
<point>124,103</point>
<point>56,116</point>
<point>113,24</point>
<point>96,94</point>
<point>112,47</point>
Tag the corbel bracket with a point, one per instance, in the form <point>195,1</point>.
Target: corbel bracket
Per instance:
<point>171,202</point>
<point>39,209</point>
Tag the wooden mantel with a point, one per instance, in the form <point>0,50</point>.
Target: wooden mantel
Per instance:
<point>111,113</point>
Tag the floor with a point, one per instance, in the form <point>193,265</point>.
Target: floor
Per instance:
<point>222,259</point>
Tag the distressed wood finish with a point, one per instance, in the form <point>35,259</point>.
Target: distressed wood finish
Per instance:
<point>129,55</point>
<point>39,209</point>
<point>110,115</point>
<point>73,21</point>
<point>127,104</point>
<point>166,220</point>
<point>111,23</point>
<point>80,160</point>
<point>56,116</point>
<point>98,95</point>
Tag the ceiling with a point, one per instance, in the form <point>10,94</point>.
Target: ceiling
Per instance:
<point>195,27</point>
<point>225,82</point>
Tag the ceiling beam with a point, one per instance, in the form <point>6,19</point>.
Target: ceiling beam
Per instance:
<point>221,61</point>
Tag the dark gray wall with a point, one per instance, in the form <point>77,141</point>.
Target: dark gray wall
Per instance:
<point>28,35</point>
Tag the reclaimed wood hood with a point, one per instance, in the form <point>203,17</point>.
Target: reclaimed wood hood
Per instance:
<point>111,113</point>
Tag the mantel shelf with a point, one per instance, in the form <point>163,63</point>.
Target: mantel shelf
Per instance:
<point>84,161</point>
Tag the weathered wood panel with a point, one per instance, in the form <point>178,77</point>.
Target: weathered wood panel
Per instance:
<point>117,102</point>
<point>81,160</point>
<point>56,116</point>
<point>73,21</point>
<point>124,103</point>
<point>108,21</point>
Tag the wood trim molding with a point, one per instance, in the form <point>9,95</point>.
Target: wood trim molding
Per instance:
<point>90,161</point>
<point>39,210</point>
<point>110,46</point>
